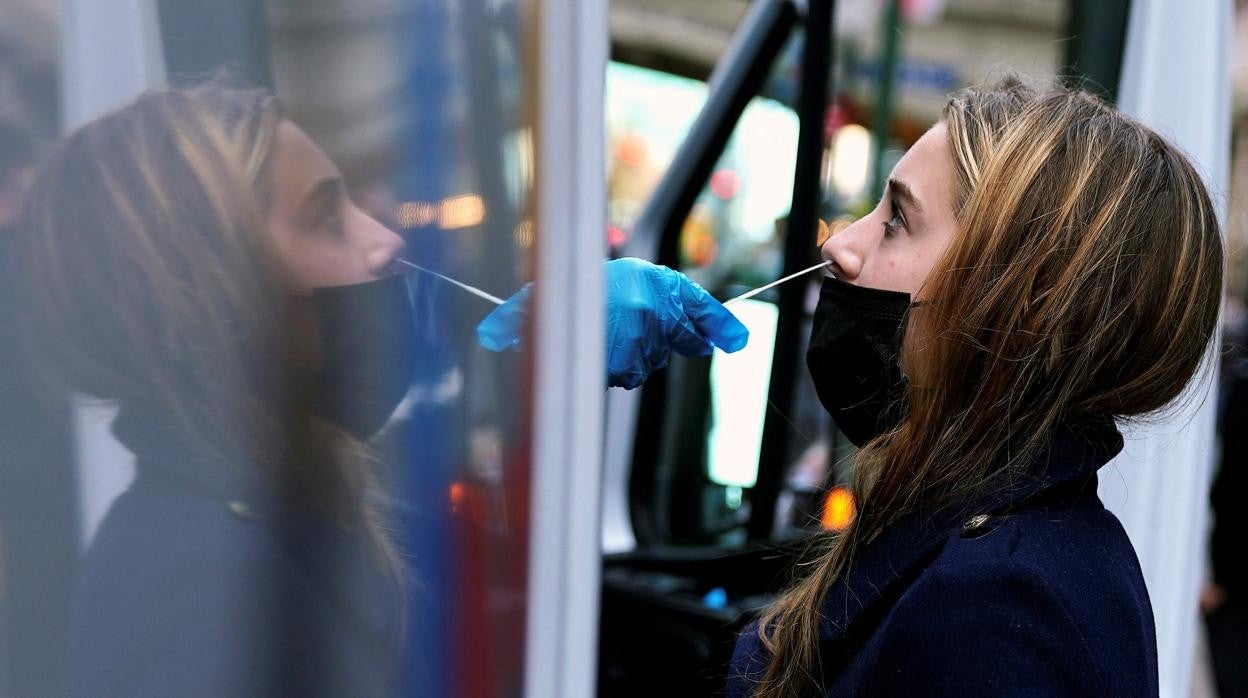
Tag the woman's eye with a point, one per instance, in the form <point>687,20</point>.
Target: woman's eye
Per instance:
<point>897,221</point>
<point>335,225</point>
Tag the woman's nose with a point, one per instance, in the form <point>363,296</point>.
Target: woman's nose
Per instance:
<point>384,246</point>
<point>849,249</point>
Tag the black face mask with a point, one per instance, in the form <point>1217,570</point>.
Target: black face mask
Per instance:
<point>369,340</point>
<point>855,357</point>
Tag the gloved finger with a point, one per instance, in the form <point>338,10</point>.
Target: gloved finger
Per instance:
<point>711,319</point>
<point>623,354</point>
<point>627,380</point>
<point>637,368</point>
<point>502,328</point>
<point>685,339</point>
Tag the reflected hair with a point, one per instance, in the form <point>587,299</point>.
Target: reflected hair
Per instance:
<point>1083,281</point>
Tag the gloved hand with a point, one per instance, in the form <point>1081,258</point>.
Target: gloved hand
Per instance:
<point>651,310</point>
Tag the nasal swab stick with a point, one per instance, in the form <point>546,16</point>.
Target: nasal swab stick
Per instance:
<point>471,289</point>
<point>777,282</point>
<point>499,301</point>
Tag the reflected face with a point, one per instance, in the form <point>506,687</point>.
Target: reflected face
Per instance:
<point>895,246</point>
<point>321,237</point>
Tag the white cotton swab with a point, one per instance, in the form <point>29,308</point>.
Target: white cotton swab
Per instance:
<point>777,282</point>
<point>471,289</point>
<point>499,301</point>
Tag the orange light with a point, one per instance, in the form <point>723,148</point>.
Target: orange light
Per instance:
<point>463,211</point>
<point>415,214</point>
<point>459,211</point>
<point>524,233</point>
<point>697,240</point>
<point>631,149</point>
<point>826,231</point>
<point>457,495</point>
<point>839,509</point>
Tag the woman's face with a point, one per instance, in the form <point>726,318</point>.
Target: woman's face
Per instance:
<point>895,246</point>
<point>321,237</point>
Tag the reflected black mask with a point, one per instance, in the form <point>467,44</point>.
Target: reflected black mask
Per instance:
<point>368,334</point>
<point>855,357</point>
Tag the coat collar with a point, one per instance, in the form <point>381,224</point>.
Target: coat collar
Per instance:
<point>1072,453</point>
<point>337,559</point>
<point>166,450</point>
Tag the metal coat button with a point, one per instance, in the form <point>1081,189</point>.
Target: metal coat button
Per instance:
<point>239,509</point>
<point>976,526</point>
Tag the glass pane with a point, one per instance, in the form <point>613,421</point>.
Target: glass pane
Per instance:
<point>731,242</point>
<point>730,234</point>
<point>249,443</point>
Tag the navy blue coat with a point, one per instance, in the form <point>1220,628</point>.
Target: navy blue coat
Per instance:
<point>199,584</point>
<point>1034,590</point>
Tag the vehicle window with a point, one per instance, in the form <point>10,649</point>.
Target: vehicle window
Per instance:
<point>730,236</point>
<point>732,241</point>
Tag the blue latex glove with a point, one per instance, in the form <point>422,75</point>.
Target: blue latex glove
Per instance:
<point>651,310</point>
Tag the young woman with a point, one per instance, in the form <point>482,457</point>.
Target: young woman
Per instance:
<point>1040,267</point>
<point>195,258</point>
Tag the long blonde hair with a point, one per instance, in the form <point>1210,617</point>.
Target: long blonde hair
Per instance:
<point>1084,280</point>
<point>149,279</point>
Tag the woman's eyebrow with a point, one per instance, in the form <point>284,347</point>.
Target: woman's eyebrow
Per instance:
<point>902,191</point>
